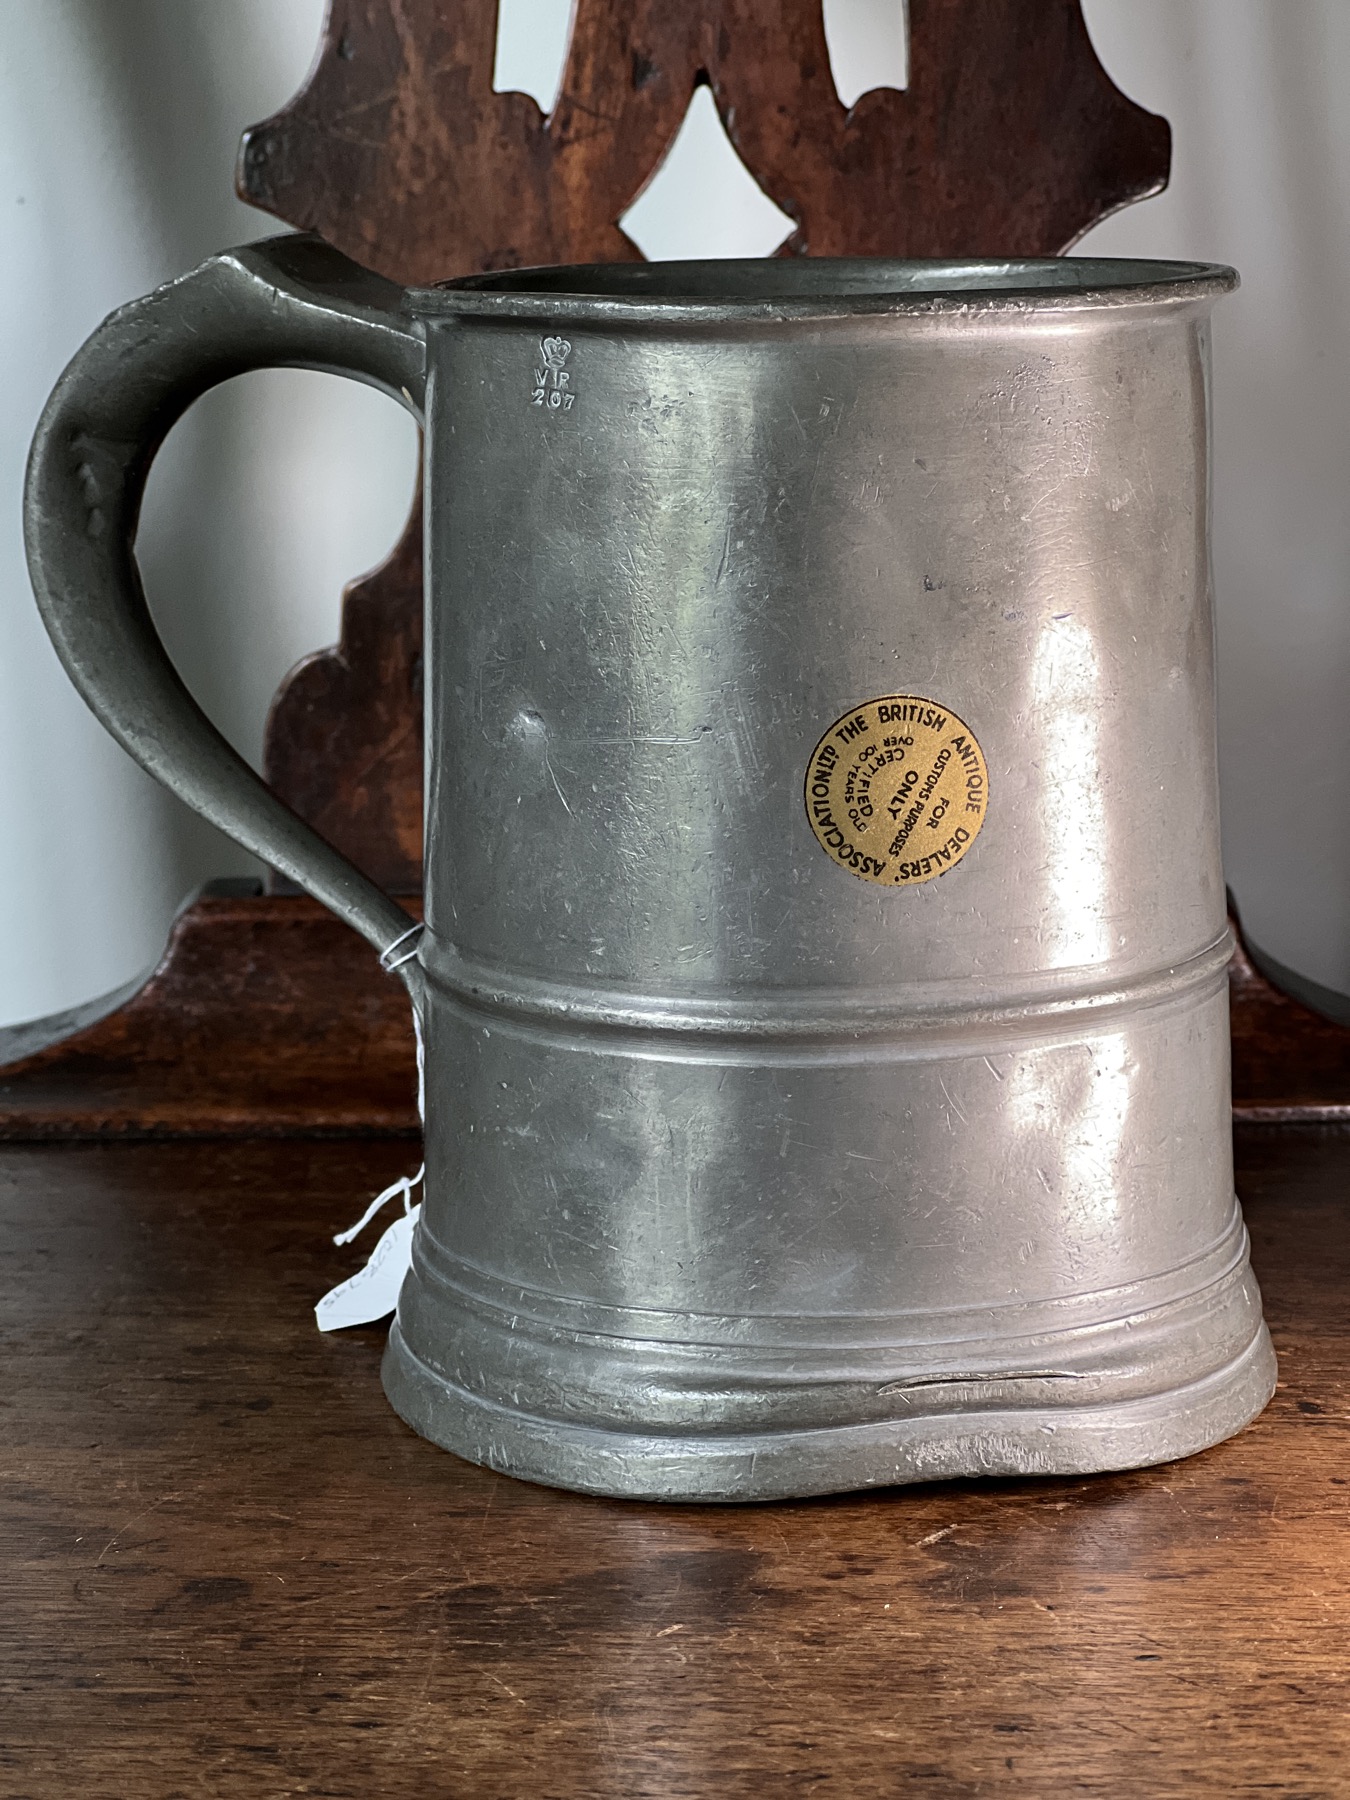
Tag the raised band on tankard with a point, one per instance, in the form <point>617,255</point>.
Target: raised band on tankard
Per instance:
<point>823,980</point>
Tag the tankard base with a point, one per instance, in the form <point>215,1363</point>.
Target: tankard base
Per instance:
<point>784,1465</point>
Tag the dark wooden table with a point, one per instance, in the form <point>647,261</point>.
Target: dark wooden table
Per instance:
<point>227,1569</point>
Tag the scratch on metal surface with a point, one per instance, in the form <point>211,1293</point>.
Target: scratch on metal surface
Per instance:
<point>725,557</point>
<point>951,1103</point>
<point>556,788</point>
<point>979,1380</point>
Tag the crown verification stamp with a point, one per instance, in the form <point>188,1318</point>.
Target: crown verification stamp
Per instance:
<point>552,379</point>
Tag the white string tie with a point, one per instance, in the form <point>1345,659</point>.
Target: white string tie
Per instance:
<point>405,1183</point>
<point>389,962</point>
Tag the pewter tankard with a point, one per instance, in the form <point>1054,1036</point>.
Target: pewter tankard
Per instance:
<point>823,978</point>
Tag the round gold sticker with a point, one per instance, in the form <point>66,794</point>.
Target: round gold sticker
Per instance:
<point>897,790</point>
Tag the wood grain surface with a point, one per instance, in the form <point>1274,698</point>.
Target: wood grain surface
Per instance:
<point>1011,139</point>
<point>227,1569</point>
<point>343,742</point>
<point>1289,1062</point>
<point>266,1016</point>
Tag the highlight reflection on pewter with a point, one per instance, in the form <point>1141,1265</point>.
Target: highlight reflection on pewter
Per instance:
<point>780,1139</point>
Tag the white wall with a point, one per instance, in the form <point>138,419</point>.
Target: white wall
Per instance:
<point>119,121</point>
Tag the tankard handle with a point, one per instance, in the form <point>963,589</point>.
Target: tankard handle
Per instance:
<point>288,302</point>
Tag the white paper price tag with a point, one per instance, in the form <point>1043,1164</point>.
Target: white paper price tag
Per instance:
<point>372,1293</point>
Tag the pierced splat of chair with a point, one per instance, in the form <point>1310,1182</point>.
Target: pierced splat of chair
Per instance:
<point>265,1016</point>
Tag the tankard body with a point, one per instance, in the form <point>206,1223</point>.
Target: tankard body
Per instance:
<point>823,979</point>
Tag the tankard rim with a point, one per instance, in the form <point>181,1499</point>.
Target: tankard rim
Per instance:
<point>740,289</point>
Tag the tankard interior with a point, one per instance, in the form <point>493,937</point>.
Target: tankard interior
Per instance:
<point>825,279</point>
